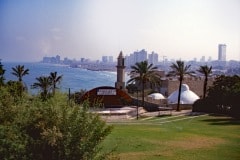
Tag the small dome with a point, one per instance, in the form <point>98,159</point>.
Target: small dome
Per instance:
<point>187,96</point>
<point>156,96</point>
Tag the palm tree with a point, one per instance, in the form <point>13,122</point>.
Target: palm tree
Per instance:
<point>142,72</point>
<point>2,72</point>
<point>55,80</point>
<point>207,71</point>
<point>180,69</point>
<point>44,83</point>
<point>19,72</point>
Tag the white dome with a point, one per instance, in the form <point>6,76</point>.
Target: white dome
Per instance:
<point>156,96</point>
<point>184,87</point>
<point>187,96</point>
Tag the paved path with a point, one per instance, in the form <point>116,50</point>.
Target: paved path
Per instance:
<point>150,117</point>
<point>160,120</point>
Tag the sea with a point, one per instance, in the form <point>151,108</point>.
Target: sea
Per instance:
<point>74,79</point>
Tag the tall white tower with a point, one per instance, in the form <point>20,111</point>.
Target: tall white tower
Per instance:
<point>222,52</point>
<point>120,84</point>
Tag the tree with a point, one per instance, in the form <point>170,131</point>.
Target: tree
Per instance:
<point>55,79</point>
<point>50,130</point>
<point>142,72</point>
<point>225,93</point>
<point>44,84</point>
<point>206,71</point>
<point>19,72</point>
<point>180,69</point>
<point>15,89</point>
<point>2,72</point>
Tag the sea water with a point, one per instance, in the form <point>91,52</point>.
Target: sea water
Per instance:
<point>74,79</point>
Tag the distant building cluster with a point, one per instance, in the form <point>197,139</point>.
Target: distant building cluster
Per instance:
<point>107,59</point>
<point>52,59</point>
<point>108,63</point>
<point>66,61</point>
<point>142,55</point>
<point>137,56</point>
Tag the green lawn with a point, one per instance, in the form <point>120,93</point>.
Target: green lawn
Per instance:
<point>184,137</point>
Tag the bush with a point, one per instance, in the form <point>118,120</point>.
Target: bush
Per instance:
<point>205,105</point>
<point>52,130</point>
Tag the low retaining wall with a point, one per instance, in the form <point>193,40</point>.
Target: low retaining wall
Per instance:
<point>182,106</point>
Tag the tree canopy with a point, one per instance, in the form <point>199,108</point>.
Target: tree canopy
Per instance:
<point>179,69</point>
<point>141,73</point>
<point>206,71</point>
<point>223,97</point>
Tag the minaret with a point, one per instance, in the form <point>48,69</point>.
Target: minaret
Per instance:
<point>120,84</point>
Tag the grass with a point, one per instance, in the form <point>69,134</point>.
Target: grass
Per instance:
<point>187,137</point>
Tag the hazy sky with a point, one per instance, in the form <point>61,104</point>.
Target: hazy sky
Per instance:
<point>186,29</point>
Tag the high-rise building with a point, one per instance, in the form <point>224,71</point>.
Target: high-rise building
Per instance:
<point>110,59</point>
<point>153,58</point>
<point>140,56</point>
<point>222,52</point>
<point>58,59</point>
<point>105,59</point>
<point>137,56</point>
<point>202,59</point>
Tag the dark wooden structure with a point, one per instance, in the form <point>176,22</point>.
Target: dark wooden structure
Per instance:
<point>108,97</point>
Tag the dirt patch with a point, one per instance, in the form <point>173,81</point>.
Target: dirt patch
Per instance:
<point>144,155</point>
<point>196,142</point>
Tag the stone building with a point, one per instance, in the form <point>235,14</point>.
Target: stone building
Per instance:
<point>170,84</point>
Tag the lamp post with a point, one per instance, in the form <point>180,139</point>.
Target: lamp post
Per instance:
<point>137,104</point>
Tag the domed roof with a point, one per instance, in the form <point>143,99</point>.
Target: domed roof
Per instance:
<point>187,96</point>
<point>156,96</point>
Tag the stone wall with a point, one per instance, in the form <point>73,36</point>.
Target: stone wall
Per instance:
<point>182,106</point>
<point>195,84</point>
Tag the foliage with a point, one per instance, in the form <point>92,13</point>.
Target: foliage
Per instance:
<point>44,84</point>
<point>132,88</point>
<point>223,96</point>
<point>206,71</point>
<point>55,79</point>
<point>179,69</point>
<point>225,92</point>
<point>49,130</point>
<point>78,95</point>
<point>19,72</point>
<point>15,89</point>
<point>206,105</point>
<point>47,84</point>
<point>141,73</point>
<point>2,72</point>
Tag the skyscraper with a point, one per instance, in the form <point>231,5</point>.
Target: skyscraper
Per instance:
<point>153,58</point>
<point>222,52</point>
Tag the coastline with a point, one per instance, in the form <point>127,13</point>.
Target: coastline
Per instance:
<point>73,78</point>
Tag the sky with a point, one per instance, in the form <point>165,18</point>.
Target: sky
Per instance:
<point>177,29</point>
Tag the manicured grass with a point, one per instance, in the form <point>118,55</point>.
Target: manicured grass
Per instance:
<point>195,138</point>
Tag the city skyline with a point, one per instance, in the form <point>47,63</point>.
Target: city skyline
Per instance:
<point>183,29</point>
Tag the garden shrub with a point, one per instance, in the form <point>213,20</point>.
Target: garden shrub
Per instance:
<point>50,129</point>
